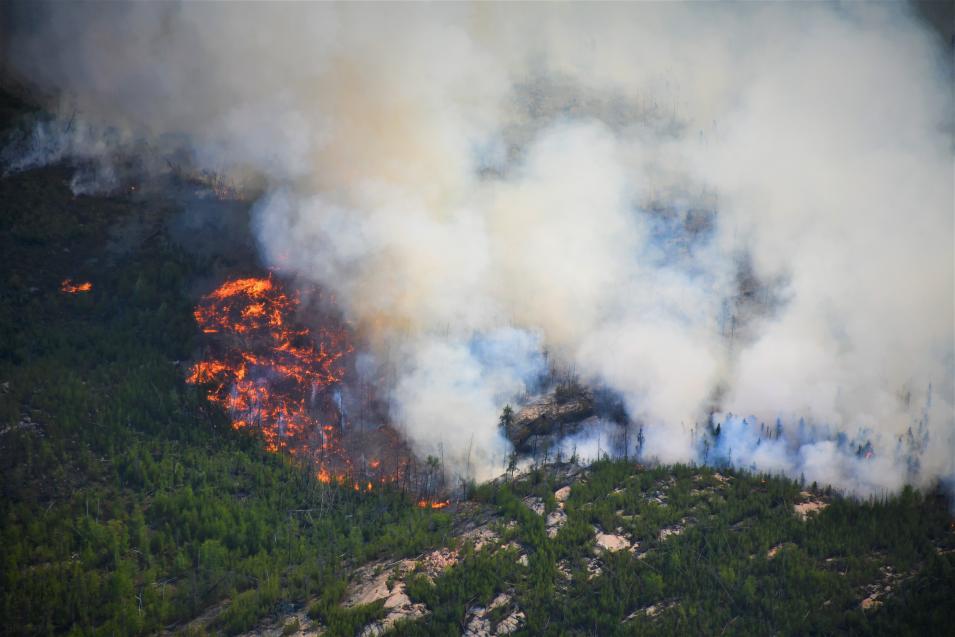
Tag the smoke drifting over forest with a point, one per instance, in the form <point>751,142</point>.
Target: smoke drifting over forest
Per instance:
<point>737,210</point>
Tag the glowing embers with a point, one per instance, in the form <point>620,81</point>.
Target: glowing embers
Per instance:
<point>247,306</point>
<point>269,373</point>
<point>68,287</point>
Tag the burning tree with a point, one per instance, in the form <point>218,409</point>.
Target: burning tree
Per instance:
<point>272,375</point>
<point>285,381</point>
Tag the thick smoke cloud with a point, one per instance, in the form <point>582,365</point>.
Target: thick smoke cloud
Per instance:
<point>739,208</point>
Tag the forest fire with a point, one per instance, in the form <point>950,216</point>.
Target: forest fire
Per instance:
<point>433,504</point>
<point>269,374</point>
<point>68,287</point>
<point>275,376</point>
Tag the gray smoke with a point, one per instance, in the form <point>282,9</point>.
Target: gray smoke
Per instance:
<point>739,208</point>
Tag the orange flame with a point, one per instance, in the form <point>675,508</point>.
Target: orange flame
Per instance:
<point>436,504</point>
<point>267,374</point>
<point>68,287</point>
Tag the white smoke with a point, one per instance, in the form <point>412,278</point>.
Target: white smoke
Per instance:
<point>54,140</point>
<point>446,386</point>
<point>593,180</point>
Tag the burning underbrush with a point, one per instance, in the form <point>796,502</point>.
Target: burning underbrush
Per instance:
<point>69,287</point>
<point>274,375</point>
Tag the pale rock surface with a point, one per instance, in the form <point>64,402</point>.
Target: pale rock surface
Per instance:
<point>555,520</point>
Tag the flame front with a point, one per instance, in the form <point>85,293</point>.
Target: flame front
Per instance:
<point>68,287</point>
<point>268,374</point>
<point>433,504</point>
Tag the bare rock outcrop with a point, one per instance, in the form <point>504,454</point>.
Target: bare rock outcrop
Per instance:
<point>810,505</point>
<point>555,520</point>
<point>480,624</point>
<point>553,415</point>
<point>610,542</point>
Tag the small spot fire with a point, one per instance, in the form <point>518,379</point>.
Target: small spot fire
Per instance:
<point>280,378</point>
<point>433,504</point>
<point>68,287</point>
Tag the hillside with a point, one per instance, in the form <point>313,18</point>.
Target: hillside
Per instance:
<point>131,507</point>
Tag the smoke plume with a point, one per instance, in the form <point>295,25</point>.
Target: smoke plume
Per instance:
<point>712,210</point>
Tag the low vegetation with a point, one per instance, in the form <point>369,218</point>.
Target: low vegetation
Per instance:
<point>716,572</point>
